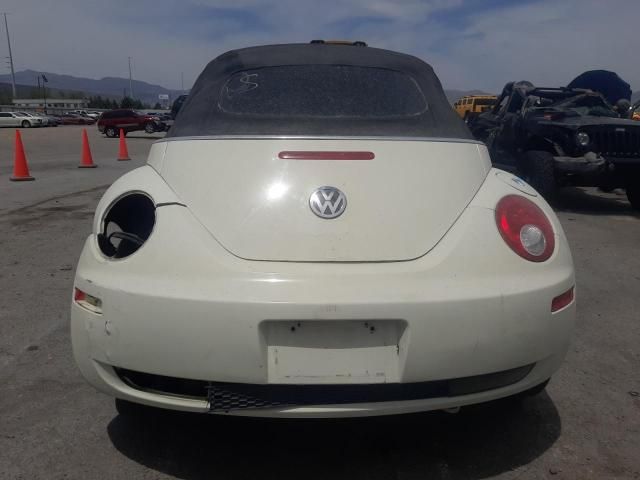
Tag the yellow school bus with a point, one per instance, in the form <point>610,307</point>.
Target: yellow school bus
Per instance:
<point>473,105</point>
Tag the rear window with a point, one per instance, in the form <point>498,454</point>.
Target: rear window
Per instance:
<point>322,91</point>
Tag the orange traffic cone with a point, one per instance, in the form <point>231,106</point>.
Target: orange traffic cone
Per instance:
<point>20,168</point>
<point>124,153</point>
<point>86,161</point>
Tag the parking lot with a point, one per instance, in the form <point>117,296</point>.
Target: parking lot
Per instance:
<point>53,425</point>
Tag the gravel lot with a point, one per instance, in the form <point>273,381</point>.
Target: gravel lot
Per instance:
<point>54,426</point>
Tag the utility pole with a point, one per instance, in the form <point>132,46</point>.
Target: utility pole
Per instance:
<point>182,81</point>
<point>130,81</point>
<point>13,75</point>
<point>44,89</point>
<point>45,80</point>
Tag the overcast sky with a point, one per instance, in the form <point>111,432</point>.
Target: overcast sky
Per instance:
<point>471,43</point>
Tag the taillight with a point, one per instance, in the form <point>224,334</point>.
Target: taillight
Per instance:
<point>525,228</point>
<point>324,155</point>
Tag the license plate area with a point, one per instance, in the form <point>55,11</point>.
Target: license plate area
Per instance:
<point>334,352</point>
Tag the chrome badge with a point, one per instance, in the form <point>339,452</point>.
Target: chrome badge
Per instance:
<point>328,202</point>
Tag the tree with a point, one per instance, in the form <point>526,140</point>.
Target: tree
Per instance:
<point>99,102</point>
<point>5,98</point>
<point>127,102</point>
<point>157,106</point>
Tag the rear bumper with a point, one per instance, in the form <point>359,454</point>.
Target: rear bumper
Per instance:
<point>183,307</point>
<point>111,383</point>
<point>590,164</point>
<point>634,161</point>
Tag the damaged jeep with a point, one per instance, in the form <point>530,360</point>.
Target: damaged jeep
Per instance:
<point>555,137</point>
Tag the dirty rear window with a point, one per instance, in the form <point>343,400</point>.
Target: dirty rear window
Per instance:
<point>323,91</point>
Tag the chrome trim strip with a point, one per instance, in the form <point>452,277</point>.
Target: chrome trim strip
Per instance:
<point>328,137</point>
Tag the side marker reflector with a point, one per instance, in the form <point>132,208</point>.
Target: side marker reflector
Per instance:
<point>562,300</point>
<point>86,301</point>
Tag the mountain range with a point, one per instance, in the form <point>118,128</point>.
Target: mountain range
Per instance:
<point>116,87</point>
<point>109,87</point>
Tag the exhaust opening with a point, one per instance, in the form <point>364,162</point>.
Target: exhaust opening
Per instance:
<point>126,225</point>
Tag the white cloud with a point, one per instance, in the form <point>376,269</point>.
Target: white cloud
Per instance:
<point>547,42</point>
<point>551,43</point>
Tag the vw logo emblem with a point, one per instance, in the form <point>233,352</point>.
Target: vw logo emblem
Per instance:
<point>328,202</point>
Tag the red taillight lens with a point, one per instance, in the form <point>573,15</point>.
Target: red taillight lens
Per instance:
<point>324,155</point>
<point>525,228</point>
<point>562,301</point>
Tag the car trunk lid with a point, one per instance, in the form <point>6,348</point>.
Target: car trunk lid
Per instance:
<point>254,198</point>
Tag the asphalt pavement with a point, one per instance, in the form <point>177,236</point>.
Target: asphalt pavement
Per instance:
<point>54,426</point>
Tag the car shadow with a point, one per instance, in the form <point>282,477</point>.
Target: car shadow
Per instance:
<point>145,136</point>
<point>593,202</point>
<point>479,442</point>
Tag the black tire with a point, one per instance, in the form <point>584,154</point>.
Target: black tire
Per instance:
<point>110,132</point>
<point>538,170</point>
<point>26,124</point>
<point>633,195</point>
<point>149,127</point>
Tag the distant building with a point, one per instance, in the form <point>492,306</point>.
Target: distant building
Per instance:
<point>52,103</point>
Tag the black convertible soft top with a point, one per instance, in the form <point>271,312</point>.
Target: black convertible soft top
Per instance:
<point>318,90</point>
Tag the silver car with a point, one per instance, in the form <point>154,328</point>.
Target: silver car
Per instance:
<point>44,121</point>
<point>20,119</point>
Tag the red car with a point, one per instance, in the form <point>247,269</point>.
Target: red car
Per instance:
<point>111,122</point>
<point>74,119</point>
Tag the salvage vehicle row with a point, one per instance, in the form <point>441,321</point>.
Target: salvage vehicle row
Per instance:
<point>556,137</point>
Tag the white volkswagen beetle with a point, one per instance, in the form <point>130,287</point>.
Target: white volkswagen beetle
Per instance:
<point>319,235</point>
